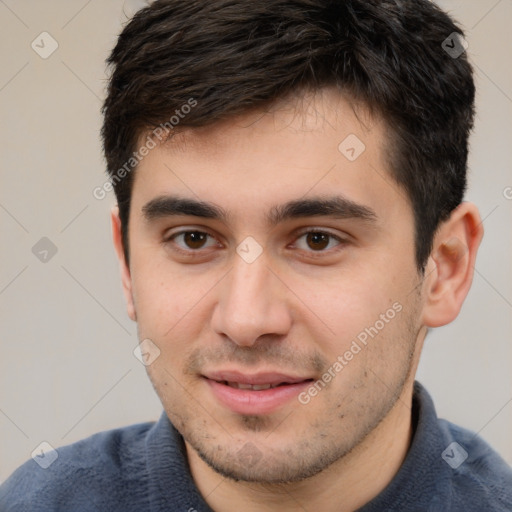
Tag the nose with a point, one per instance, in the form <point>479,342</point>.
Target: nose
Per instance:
<point>252,303</point>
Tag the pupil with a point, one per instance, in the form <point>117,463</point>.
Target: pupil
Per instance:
<point>195,239</point>
<point>318,241</point>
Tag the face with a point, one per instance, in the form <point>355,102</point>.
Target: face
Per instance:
<point>272,267</point>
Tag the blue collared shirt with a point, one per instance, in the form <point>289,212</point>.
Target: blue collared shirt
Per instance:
<point>144,467</point>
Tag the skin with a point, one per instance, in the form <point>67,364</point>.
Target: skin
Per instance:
<point>295,309</point>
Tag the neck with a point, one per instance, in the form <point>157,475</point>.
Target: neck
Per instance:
<point>345,486</point>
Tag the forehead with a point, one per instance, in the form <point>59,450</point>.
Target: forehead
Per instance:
<point>316,113</point>
<point>317,144</point>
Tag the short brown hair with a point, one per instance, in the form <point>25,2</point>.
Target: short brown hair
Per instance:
<point>234,55</point>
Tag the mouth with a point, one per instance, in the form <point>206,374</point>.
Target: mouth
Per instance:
<point>259,393</point>
<point>254,387</point>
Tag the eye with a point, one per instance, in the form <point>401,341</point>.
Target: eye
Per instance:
<point>191,240</point>
<point>317,241</point>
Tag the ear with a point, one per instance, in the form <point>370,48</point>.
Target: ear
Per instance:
<point>124,268</point>
<point>450,267</point>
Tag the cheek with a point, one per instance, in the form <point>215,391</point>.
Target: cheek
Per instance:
<point>171,305</point>
<point>364,306</point>
<point>345,304</point>
<point>156,288</point>
<point>157,308</point>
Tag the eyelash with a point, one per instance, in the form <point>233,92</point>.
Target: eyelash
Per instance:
<point>192,252</point>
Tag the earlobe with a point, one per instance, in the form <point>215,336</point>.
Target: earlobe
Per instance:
<point>450,269</point>
<point>126,279</point>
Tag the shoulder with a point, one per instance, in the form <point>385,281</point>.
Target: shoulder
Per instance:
<point>480,476</point>
<point>100,473</point>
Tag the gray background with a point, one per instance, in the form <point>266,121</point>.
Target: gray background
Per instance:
<point>66,368</point>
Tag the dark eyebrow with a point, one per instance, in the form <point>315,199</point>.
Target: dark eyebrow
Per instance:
<point>332,206</point>
<point>166,206</point>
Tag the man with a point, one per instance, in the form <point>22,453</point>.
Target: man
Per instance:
<point>290,222</point>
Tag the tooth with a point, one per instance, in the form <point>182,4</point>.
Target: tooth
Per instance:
<point>242,386</point>
<point>258,387</point>
<point>253,387</point>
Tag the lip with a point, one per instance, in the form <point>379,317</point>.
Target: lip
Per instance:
<point>271,378</point>
<point>251,402</point>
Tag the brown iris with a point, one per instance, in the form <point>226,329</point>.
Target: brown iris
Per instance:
<point>317,241</point>
<point>194,239</point>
